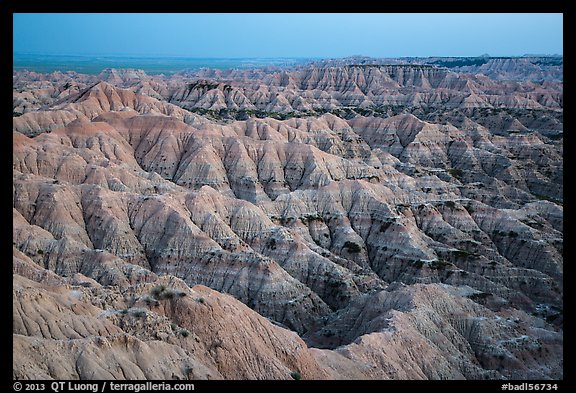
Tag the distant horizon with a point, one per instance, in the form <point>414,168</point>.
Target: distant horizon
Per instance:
<point>166,64</point>
<point>153,56</point>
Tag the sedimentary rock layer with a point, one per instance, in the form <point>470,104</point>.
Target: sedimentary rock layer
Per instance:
<point>151,241</point>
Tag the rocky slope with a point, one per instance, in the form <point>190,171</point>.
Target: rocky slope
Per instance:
<point>510,68</point>
<point>360,88</point>
<point>519,68</point>
<point>423,241</point>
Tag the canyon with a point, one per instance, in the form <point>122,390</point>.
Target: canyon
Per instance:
<point>346,219</point>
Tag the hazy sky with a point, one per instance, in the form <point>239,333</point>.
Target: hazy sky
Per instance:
<point>289,35</point>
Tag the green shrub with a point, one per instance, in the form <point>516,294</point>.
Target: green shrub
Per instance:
<point>455,172</point>
<point>334,284</point>
<point>462,253</point>
<point>161,292</point>
<point>156,292</point>
<point>150,301</point>
<point>188,370</point>
<point>439,264</point>
<point>352,247</point>
<point>184,333</point>
<point>552,318</point>
<point>168,294</point>
<point>385,226</point>
<point>296,375</point>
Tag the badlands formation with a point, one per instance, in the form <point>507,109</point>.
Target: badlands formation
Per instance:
<point>333,221</point>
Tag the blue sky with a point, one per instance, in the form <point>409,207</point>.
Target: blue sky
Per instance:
<point>288,35</point>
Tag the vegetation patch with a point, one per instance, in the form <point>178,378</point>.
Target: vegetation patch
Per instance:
<point>556,137</point>
<point>462,62</point>
<point>463,254</point>
<point>150,301</point>
<point>439,264</point>
<point>296,375</point>
<point>480,296</point>
<point>533,224</point>
<point>505,234</point>
<point>456,173</point>
<point>352,247</point>
<point>271,244</point>
<point>547,198</point>
<point>161,292</point>
<point>385,225</point>
<point>139,313</point>
<point>334,284</point>
<point>204,85</point>
<point>311,217</point>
